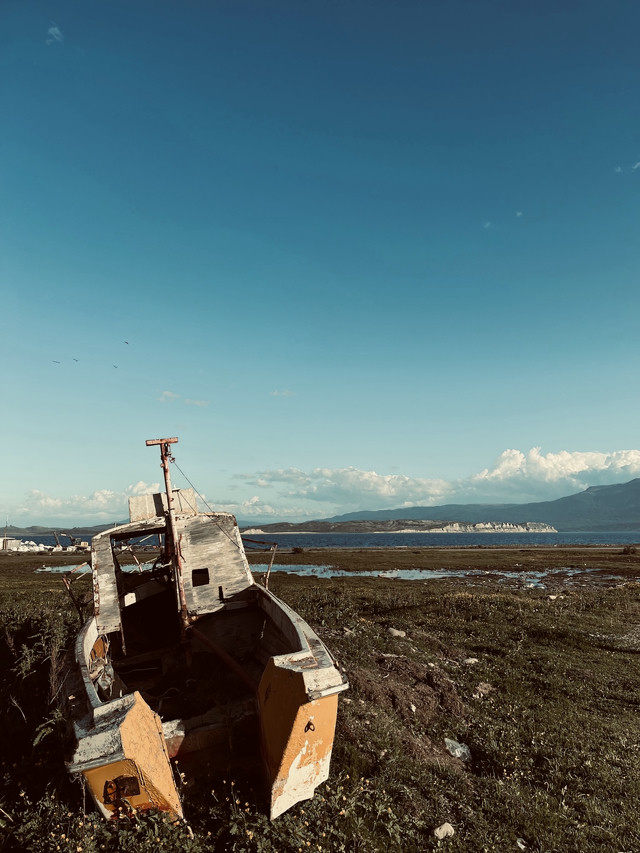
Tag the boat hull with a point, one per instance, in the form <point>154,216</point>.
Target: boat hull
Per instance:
<point>297,736</point>
<point>274,714</point>
<point>124,760</point>
<point>191,661</point>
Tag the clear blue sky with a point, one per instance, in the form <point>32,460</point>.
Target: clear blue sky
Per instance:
<point>362,254</point>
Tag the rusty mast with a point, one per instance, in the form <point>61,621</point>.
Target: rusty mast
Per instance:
<point>173,546</point>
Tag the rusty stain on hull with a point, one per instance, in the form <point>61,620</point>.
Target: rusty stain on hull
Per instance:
<point>191,659</point>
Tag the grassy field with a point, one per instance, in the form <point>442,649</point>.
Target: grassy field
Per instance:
<point>542,687</point>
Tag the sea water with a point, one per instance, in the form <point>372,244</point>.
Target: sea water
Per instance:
<point>444,540</point>
<point>425,540</point>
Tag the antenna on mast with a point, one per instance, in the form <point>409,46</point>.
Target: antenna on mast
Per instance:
<point>166,457</point>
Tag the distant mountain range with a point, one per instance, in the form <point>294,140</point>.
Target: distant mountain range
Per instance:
<point>69,532</point>
<point>614,507</point>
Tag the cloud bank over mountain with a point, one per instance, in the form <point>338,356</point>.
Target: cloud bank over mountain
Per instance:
<point>537,476</point>
<point>516,477</point>
<point>293,494</point>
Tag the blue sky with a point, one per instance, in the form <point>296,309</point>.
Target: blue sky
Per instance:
<point>355,255</point>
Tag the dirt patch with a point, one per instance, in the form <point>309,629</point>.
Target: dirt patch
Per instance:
<point>415,692</point>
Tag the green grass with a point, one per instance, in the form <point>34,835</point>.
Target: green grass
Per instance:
<point>552,731</point>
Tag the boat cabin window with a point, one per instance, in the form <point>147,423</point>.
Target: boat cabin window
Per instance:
<point>200,577</point>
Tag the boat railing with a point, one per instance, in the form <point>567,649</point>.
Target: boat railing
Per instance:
<point>84,645</point>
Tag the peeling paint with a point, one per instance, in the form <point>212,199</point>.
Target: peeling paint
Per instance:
<point>178,632</point>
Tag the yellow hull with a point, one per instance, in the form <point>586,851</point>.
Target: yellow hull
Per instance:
<point>297,736</point>
<point>231,677</point>
<point>125,762</point>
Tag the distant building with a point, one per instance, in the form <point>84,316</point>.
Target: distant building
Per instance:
<point>10,544</point>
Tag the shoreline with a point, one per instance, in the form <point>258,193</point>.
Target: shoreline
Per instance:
<point>435,530</point>
<point>21,568</point>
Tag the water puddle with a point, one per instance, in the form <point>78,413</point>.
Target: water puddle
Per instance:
<point>62,570</point>
<point>531,580</point>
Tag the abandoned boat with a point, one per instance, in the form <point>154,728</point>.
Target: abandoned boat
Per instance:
<point>191,660</point>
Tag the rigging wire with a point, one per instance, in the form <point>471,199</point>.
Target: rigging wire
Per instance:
<point>211,510</point>
<point>217,523</point>
<point>193,487</point>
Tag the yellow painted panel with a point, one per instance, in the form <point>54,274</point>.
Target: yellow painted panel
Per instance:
<point>143,740</point>
<point>146,760</point>
<point>297,736</point>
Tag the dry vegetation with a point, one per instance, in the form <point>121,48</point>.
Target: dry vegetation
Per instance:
<point>540,685</point>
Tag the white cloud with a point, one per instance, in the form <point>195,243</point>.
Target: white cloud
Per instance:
<point>100,506</point>
<point>486,224</point>
<point>170,397</point>
<point>54,34</point>
<point>537,476</point>
<point>255,507</point>
<point>142,488</point>
<point>562,465</point>
<point>283,393</point>
<point>635,166</point>
<point>519,213</point>
<point>516,477</point>
<point>350,487</point>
